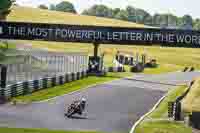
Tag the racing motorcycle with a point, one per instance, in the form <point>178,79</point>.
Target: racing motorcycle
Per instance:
<point>77,107</point>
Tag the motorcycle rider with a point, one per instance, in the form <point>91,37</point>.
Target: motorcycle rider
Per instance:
<point>79,105</point>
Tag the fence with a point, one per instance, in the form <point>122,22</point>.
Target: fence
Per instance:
<point>40,70</point>
<point>40,64</point>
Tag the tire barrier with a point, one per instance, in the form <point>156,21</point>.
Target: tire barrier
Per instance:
<point>151,64</point>
<point>130,60</point>
<point>28,87</point>
<point>116,69</point>
<point>137,68</point>
<point>192,69</point>
<point>185,69</point>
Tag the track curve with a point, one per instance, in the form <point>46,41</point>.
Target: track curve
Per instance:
<point>112,107</point>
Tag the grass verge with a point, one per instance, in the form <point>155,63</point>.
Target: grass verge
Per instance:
<point>161,111</point>
<point>22,130</point>
<point>192,101</point>
<point>163,68</point>
<point>70,87</point>
<point>157,121</point>
<point>163,127</point>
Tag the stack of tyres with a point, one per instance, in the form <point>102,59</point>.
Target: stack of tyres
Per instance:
<point>137,68</point>
<point>152,64</point>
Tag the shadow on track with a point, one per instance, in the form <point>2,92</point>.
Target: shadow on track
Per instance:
<point>78,118</point>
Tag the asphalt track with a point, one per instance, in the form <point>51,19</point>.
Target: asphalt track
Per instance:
<point>112,107</point>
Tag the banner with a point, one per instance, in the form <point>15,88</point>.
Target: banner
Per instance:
<point>99,34</point>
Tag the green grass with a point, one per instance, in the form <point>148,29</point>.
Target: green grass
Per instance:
<point>22,130</point>
<point>163,68</point>
<point>69,87</point>
<point>161,111</point>
<point>24,14</point>
<point>192,101</point>
<point>163,127</point>
<point>152,124</point>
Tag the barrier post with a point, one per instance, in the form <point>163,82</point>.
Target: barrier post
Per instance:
<point>3,76</point>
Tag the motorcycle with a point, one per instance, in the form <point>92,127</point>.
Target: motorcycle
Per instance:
<point>74,108</point>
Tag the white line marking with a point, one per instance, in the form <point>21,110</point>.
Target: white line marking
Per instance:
<point>143,117</point>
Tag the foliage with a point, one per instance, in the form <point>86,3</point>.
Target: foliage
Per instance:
<point>64,6</point>
<point>122,15</point>
<point>52,7</point>
<point>4,8</point>
<point>98,10</point>
<point>141,16</point>
<point>42,7</point>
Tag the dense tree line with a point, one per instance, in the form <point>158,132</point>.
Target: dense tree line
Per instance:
<point>133,14</point>
<point>141,16</point>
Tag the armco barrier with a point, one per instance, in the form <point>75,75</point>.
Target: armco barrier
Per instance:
<point>24,88</point>
<point>176,109</point>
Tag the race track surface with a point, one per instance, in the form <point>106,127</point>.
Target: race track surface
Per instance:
<point>112,107</point>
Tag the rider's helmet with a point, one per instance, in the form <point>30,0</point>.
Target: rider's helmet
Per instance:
<point>83,100</point>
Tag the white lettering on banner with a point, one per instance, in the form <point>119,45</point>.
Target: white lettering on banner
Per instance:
<point>104,35</point>
<point>188,39</point>
<point>109,37</point>
<point>115,36</point>
<point>180,39</point>
<point>133,36</point>
<point>139,37</point>
<point>148,37</point>
<point>171,38</point>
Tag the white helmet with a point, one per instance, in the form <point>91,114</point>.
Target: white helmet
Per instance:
<point>83,99</point>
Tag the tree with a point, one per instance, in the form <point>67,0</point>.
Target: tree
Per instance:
<point>65,6</point>
<point>5,8</point>
<point>141,15</point>
<point>157,18</point>
<point>115,11</point>
<point>186,22</point>
<point>132,14</point>
<point>99,10</point>
<point>42,7</point>
<point>52,7</point>
<point>122,15</point>
<point>148,20</point>
<point>196,24</point>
